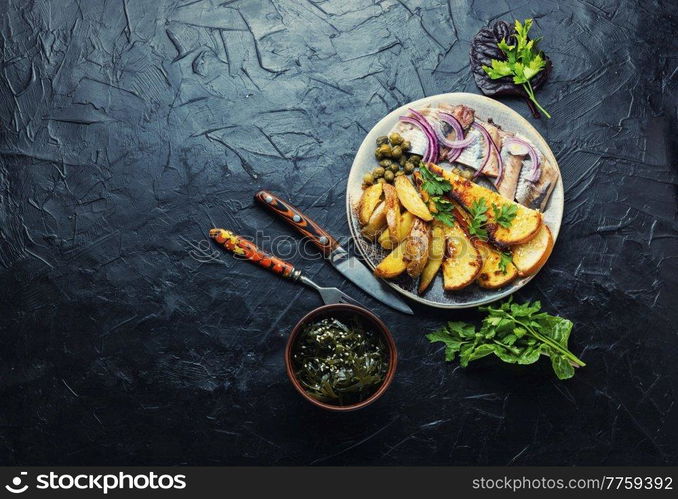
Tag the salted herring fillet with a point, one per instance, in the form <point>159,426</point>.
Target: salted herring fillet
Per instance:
<point>515,183</point>
<point>417,138</point>
<point>536,194</point>
<point>513,163</point>
<point>473,155</point>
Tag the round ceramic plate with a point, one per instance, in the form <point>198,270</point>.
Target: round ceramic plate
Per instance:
<point>485,108</point>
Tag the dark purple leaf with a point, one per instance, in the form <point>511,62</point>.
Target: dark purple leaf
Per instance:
<point>484,48</point>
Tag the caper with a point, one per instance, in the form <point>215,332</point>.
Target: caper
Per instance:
<point>399,173</point>
<point>402,160</point>
<point>409,167</point>
<point>456,171</point>
<point>381,180</point>
<point>394,167</point>
<point>406,146</point>
<point>389,176</point>
<point>385,163</point>
<point>368,179</point>
<point>396,152</point>
<point>415,158</point>
<point>395,138</point>
<point>385,150</point>
<point>378,155</point>
<point>378,172</point>
<point>382,140</point>
<point>467,174</point>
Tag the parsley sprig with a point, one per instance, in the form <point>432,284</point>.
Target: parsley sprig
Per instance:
<point>436,187</point>
<point>432,184</point>
<point>516,333</point>
<point>478,212</point>
<point>504,259</point>
<point>443,211</point>
<point>523,61</point>
<point>504,214</point>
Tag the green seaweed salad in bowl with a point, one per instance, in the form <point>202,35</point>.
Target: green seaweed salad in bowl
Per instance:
<point>341,357</point>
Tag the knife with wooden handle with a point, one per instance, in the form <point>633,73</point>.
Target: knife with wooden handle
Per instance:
<point>352,268</point>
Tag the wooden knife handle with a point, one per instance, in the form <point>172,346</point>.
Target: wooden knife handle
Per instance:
<point>247,249</point>
<point>299,221</point>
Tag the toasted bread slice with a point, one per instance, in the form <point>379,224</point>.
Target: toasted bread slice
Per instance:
<point>462,262</point>
<point>410,199</point>
<point>530,256</point>
<point>406,221</point>
<point>525,224</point>
<point>435,257</point>
<point>491,275</point>
<point>394,264</point>
<point>368,202</point>
<point>376,223</point>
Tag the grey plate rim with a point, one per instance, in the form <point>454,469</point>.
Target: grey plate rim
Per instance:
<point>555,206</point>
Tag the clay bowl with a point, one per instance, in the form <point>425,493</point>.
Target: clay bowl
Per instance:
<point>343,311</point>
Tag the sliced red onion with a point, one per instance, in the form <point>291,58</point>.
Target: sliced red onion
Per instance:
<point>491,146</point>
<point>429,139</point>
<point>458,130</point>
<point>488,149</point>
<point>532,153</point>
<point>500,162</point>
<point>453,122</point>
<point>433,153</point>
<point>454,154</point>
<point>418,120</point>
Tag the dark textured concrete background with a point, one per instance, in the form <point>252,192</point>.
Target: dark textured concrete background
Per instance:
<point>130,127</point>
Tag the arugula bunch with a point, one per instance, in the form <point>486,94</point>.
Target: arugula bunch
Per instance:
<point>516,333</point>
<point>523,61</point>
<point>436,187</point>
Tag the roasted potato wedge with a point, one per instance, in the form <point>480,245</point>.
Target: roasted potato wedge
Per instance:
<point>384,239</point>
<point>368,202</point>
<point>417,247</point>
<point>406,221</point>
<point>462,261</point>
<point>529,257</point>
<point>376,223</point>
<point>435,257</point>
<point>491,275</point>
<point>392,212</point>
<point>525,224</point>
<point>410,198</point>
<point>394,264</point>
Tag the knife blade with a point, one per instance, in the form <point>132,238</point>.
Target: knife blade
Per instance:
<point>349,266</point>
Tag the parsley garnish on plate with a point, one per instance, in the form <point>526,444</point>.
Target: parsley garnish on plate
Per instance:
<point>478,212</point>
<point>516,333</point>
<point>504,259</point>
<point>523,61</point>
<point>435,187</point>
<point>505,214</point>
<point>443,211</point>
